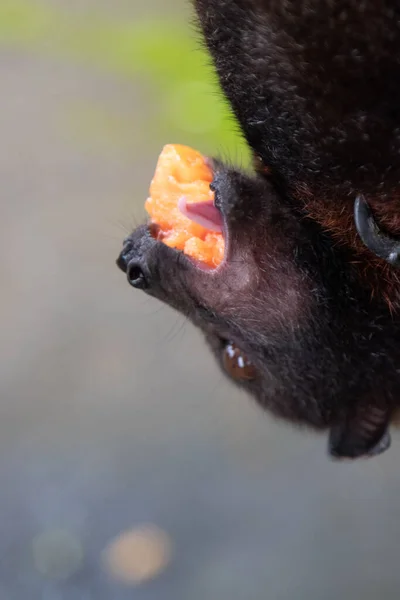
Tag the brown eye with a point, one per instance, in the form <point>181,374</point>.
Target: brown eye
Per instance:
<point>259,165</point>
<point>236,364</point>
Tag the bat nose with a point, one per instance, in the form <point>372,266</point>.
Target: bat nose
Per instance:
<point>134,269</point>
<point>137,259</point>
<point>136,274</point>
<point>124,258</point>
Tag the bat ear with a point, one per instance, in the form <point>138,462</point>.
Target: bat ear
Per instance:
<point>380,243</point>
<point>361,434</point>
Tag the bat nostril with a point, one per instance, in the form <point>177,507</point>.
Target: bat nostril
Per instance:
<point>123,258</point>
<point>122,262</point>
<point>136,276</point>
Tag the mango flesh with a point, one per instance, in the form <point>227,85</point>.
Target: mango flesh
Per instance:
<point>183,172</point>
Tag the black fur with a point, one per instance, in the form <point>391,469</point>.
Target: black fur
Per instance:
<point>315,85</point>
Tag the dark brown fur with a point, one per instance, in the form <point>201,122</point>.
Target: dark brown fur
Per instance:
<point>330,71</point>
<point>315,87</point>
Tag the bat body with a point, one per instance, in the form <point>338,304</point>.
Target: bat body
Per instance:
<point>301,313</point>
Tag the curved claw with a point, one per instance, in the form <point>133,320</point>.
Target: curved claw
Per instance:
<point>380,243</point>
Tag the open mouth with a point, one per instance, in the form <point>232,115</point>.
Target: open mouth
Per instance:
<point>181,205</point>
<point>207,247</point>
<point>205,214</point>
<point>210,218</point>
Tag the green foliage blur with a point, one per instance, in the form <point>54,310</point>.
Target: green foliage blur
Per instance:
<point>164,53</point>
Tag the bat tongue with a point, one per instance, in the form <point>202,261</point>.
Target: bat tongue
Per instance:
<point>203,213</point>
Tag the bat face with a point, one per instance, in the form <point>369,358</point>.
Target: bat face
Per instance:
<point>286,314</point>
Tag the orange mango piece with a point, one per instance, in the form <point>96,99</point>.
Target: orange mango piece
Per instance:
<point>183,172</point>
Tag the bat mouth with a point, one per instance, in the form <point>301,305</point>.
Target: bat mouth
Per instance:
<point>209,216</point>
<point>205,214</point>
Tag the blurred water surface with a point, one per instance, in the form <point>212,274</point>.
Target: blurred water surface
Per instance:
<point>129,468</point>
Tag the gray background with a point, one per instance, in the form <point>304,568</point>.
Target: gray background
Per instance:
<point>112,412</point>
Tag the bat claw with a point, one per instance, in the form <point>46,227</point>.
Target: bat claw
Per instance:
<point>380,243</point>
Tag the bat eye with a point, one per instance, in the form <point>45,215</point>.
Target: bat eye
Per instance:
<point>236,364</point>
<point>260,166</point>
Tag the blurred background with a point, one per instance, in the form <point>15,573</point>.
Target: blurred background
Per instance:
<point>129,468</point>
